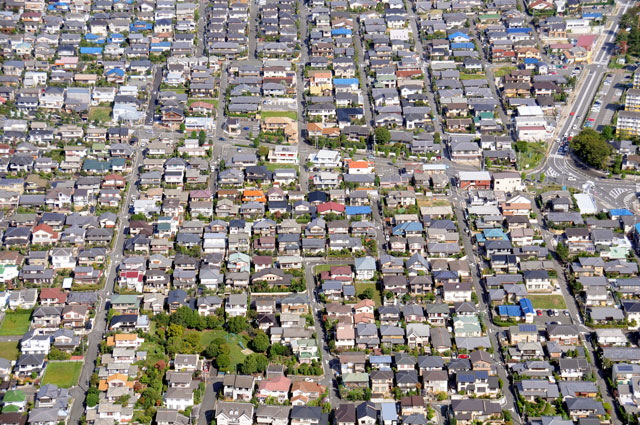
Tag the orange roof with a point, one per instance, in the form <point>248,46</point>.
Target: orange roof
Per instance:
<point>102,385</point>
<point>359,164</point>
<point>365,303</point>
<point>126,337</point>
<point>117,377</point>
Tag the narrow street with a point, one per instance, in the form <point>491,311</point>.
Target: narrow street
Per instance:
<point>96,336</point>
<point>155,88</point>
<point>364,81</point>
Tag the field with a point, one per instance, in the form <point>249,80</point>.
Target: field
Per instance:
<point>377,297</point>
<point>531,155</point>
<point>9,350</point>
<point>236,342</point>
<point>501,72</point>
<point>15,323</point>
<point>63,374</point>
<point>555,302</point>
<point>325,267</point>
<point>289,114</point>
<point>100,113</point>
<point>472,76</point>
<point>271,166</point>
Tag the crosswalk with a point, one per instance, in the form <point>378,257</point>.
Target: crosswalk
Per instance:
<point>617,192</point>
<point>551,172</point>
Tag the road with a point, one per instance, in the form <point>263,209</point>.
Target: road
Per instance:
<point>202,23</point>
<point>484,306</point>
<point>362,72</point>
<point>155,88</point>
<point>96,336</point>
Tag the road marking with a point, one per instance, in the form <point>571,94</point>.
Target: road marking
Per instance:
<point>617,192</point>
<point>552,172</point>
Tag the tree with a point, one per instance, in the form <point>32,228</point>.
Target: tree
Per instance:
<point>261,362</point>
<point>249,366</point>
<point>591,148</point>
<point>263,151</point>
<point>436,137</point>
<point>202,137</point>
<point>383,136</point>
<point>563,251</point>
<point>223,361</point>
<point>175,330</point>
<point>237,324</point>
<point>367,294</point>
<point>260,343</point>
<point>607,132</point>
<point>93,397</point>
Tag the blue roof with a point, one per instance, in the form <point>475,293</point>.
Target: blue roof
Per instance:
<point>530,60</point>
<point>518,30</point>
<point>358,210</point>
<point>345,81</point>
<point>410,226</point>
<point>91,50</point>
<point>388,412</point>
<point>463,46</point>
<point>92,36</point>
<point>380,359</point>
<point>509,310</point>
<point>526,306</point>
<point>466,377</point>
<point>618,212</point>
<point>117,71</point>
<point>341,31</point>
<point>458,34</point>
<point>638,228</point>
<point>596,15</point>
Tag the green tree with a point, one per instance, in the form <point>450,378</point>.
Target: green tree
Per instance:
<point>367,294</point>
<point>249,366</point>
<point>223,361</point>
<point>93,397</point>
<point>607,132</point>
<point>591,148</point>
<point>263,151</point>
<point>383,136</point>
<point>261,362</point>
<point>175,330</point>
<point>563,251</point>
<point>237,324</point>
<point>260,343</point>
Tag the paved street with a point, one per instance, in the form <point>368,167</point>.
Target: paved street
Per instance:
<point>96,336</point>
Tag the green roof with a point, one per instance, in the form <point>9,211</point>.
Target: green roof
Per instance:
<point>489,16</point>
<point>10,408</point>
<point>355,377</point>
<point>14,396</point>
<point>125,299</point>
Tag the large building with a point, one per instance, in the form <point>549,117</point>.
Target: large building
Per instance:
<point>632,100</point>
<point>628,123</point>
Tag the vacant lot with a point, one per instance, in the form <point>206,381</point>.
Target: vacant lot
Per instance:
<point>15,323</point>
<point>555,302</point>
<point>9,350</point>
<point>377,297</point>
<point>289,114</point>
<point>64,374</point>
<point>100,113</point>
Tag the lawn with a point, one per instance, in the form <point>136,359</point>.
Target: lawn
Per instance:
<point>237,343</point>
<point>472,76</point>
<point>289,114</point>
<point>64,374</point>
<point>272,166</point>
<point>100,113</point>
<point>531,155</point>
<point>555,302</point>
<point>377,297</point>
<point>9,350</point>
<point>15,323</point>
<point>503,71</point>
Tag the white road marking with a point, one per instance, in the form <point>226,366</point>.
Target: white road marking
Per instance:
<point>617,192</point>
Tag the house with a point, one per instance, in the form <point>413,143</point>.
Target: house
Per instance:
<point>306,415</point>
<point>230,413</point>
<point>238,387</point>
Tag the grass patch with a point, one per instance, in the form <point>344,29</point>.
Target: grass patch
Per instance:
<point>100,113</point>
<point>272,167</point>
<point>9,350</point>
<point>377,297</point>
<point>64,374</point>
<point>530,154</point>
<point>289,114</point>
<point>554,302</point>
<point>501,72</point>
<point>326,267</point>
<point>236,342</point>
<point>473,76</point>
<point>15,323</point>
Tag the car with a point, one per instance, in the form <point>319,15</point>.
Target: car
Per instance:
<point>245,128</point>
<point>239,149</point>
<point>550,312</point>
<point>539,312</point>
<point>591,119</point>
<point>572,113</point>
<point>566,313</point>
<point>371,157</point>
<point>221,139</point>
<point>463,356</point>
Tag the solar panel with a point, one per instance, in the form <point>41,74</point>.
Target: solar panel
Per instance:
<point>527,328</point>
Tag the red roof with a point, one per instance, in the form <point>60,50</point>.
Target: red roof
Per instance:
<point>330,206</point>
<point>45,228</point>
<point>586,41</point>
<point>279,383</point>
<point>53,294</point>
